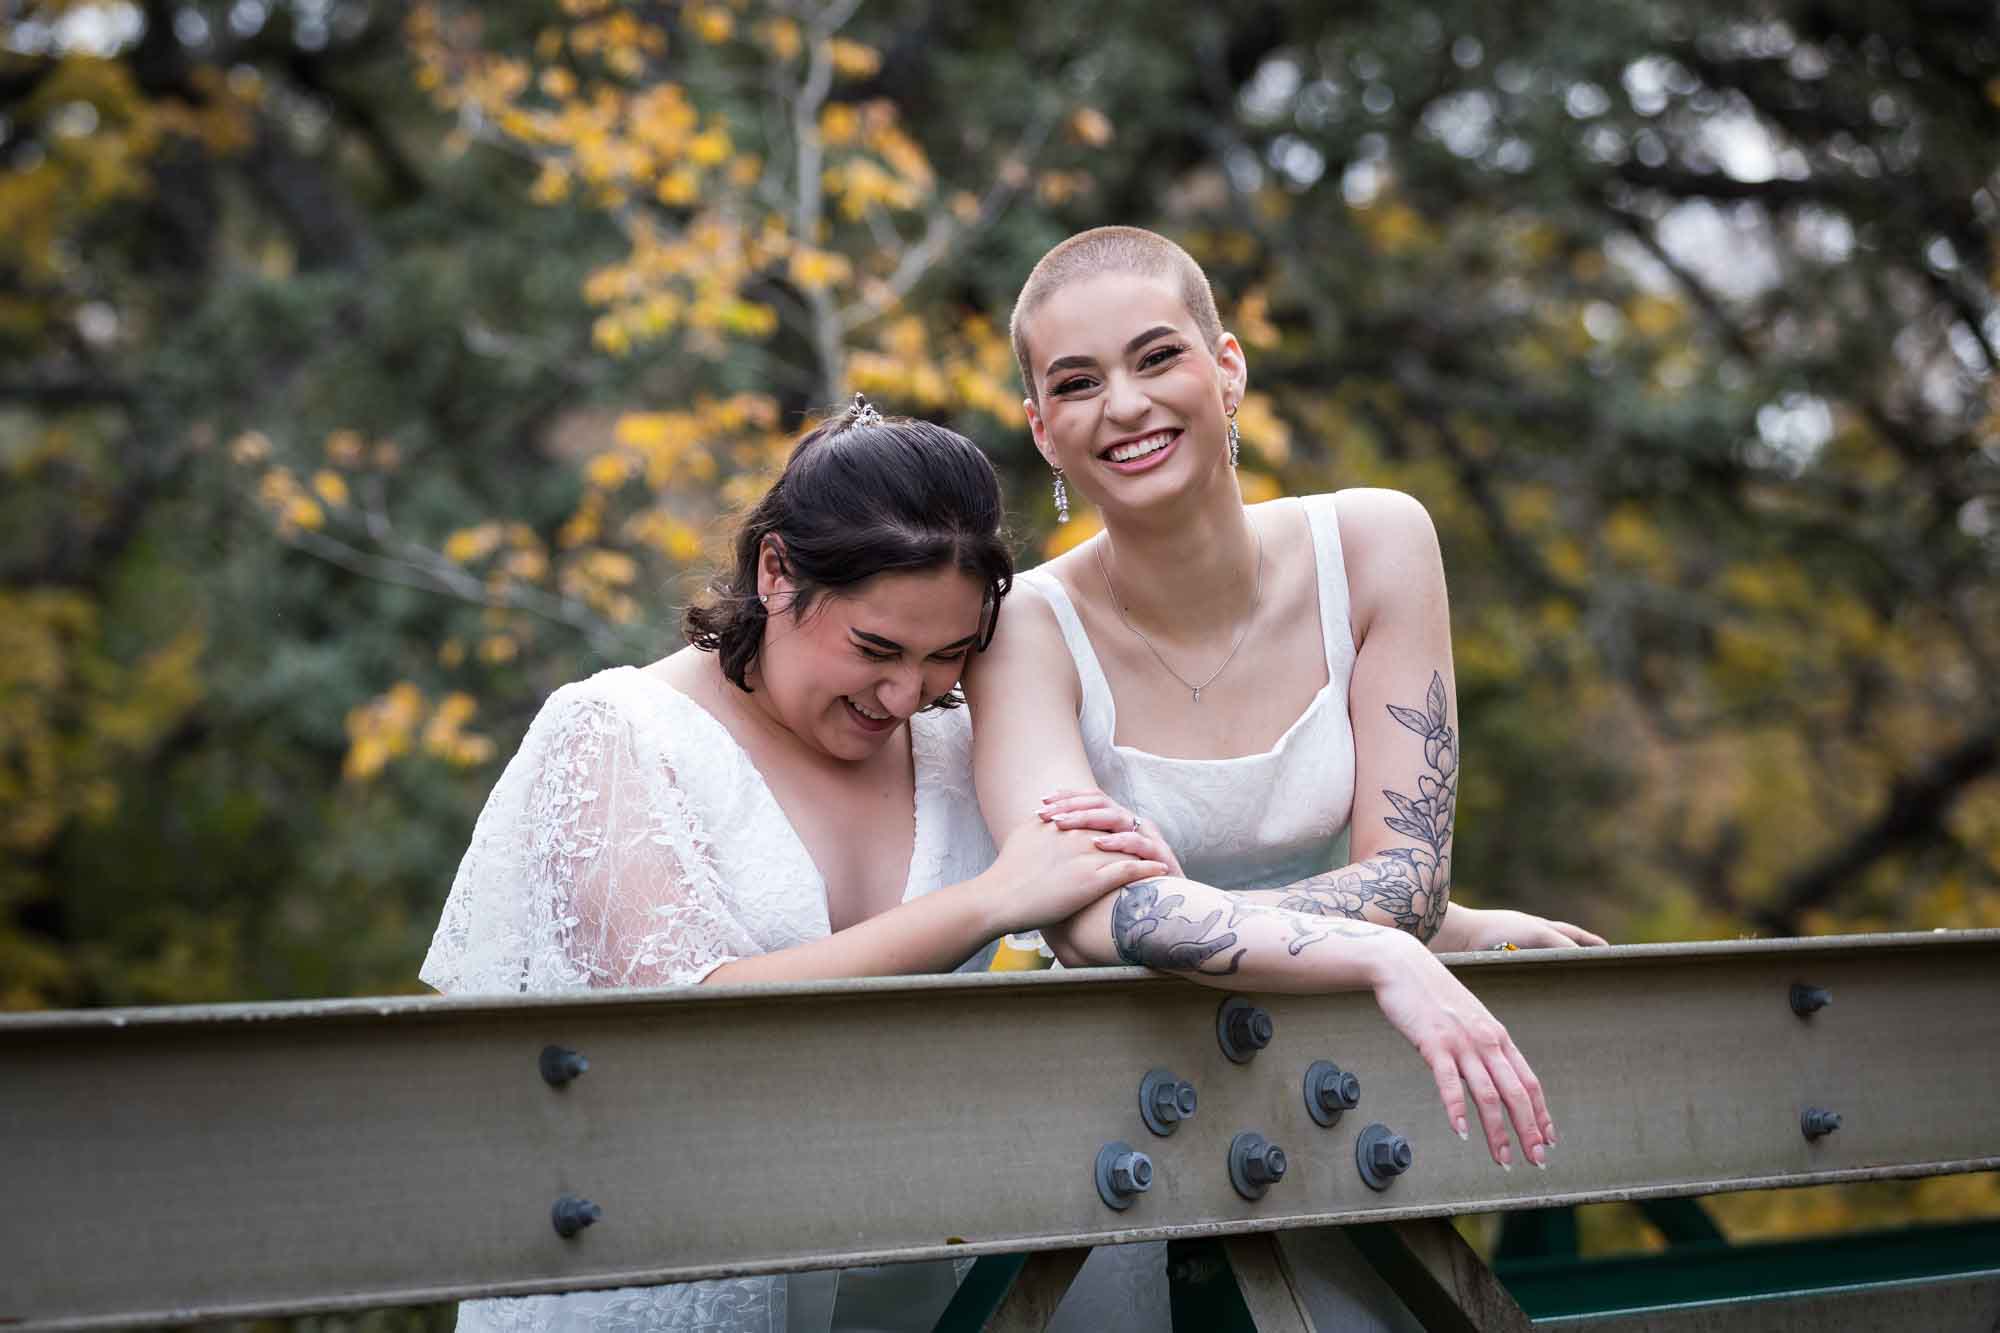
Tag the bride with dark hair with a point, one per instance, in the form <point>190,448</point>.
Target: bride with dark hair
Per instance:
<point>788,798</point>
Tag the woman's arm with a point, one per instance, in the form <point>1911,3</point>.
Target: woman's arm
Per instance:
<point>1024,695</point>
<point>1217,938</point>
<point>1042,872</point>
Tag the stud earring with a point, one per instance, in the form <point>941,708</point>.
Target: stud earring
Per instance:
<point>1235,440</point>
<point>1062,498</point>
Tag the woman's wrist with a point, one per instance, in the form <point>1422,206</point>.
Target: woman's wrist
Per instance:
<point>1454,932</point>
<point>1387,953</point>
<point>983,902</point>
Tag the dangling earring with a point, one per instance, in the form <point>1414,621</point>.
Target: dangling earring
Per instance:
<point>1062,499</point>
<point>1235,440</point>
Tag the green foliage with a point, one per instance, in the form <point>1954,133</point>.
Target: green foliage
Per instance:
<point>374,376</point>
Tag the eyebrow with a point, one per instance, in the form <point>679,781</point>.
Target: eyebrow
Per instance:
<point>891,645</point>
<point>1076,362</point>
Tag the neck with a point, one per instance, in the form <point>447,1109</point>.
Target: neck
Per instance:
<point>1190,572</point>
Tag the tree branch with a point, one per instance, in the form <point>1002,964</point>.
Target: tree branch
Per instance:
<point>1917,805</point>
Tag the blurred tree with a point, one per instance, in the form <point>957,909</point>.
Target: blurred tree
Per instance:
<point>364,373</point>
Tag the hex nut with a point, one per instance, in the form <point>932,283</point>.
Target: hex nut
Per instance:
<point>1122,1174</point>
<point>559,1065</point>
<point>1242,1029</point>
<point>1330,1090</point>
<point>571,1215</point>
<point>1381,1154</point>
<point>1165,1101</point>
<point>1255,1164</point>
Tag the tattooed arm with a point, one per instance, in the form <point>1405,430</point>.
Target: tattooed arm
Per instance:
<point>1407,886</point>
<point>1215,937</point>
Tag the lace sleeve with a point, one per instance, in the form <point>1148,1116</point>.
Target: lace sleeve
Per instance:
<point>589,867</point>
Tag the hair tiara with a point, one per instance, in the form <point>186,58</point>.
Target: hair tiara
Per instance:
<point>864,411</point>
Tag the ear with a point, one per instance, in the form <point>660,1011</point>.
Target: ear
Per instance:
<point>1234,371</point>
<point>773,578</point>
<point>1038,430</point>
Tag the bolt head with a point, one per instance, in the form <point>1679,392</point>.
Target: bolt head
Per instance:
<point>1132,1173</point>
<point>1260,1029</point>
<point>1339,1092</point>
<point>1391,1156</point>
<point>1266,1165</point>
<point>1184,1099</point>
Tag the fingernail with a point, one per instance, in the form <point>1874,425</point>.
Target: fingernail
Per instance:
<point>1540,1156</point>
<point>1463,1132</point>
<point>1506,1165</point>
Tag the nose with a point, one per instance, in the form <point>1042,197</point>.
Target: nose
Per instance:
<point>902,690</point>
<point>1125,399</point>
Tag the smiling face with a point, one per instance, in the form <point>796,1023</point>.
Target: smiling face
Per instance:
<point>844,676</point>
<point>1128,399</point>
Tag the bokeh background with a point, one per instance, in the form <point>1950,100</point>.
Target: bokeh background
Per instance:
<point>369,370</point>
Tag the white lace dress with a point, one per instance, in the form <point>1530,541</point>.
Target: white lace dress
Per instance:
<point>1253,821</point>
<point>631,842</point>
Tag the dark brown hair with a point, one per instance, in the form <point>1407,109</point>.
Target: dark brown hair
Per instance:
<point>861,495</point>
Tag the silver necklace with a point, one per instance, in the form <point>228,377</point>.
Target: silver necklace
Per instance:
<point>1256,600</point>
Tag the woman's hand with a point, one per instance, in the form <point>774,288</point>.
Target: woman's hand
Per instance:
<point>1045,874</point>
<point>1467,1049</point>
<point>1089,808</point>
<point>1467,929</point>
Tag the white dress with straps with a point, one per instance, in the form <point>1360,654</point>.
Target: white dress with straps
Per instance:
<point>632,842</point>
<point>1252,821</point>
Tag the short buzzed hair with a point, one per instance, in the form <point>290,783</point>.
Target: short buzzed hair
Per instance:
<point>1113,250</point>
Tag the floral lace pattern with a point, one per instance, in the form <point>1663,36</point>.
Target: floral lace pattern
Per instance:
<point>1256,821</point>
<point>631,842</point>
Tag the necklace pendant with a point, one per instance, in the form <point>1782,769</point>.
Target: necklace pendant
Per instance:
<point>1197,694</point>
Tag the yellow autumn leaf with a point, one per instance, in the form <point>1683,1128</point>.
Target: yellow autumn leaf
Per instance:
<point>852,60</point>
<point>470,544</point>
<point>839,123</point>
<point>608,471</point>
<point>330,486</point>
<point>678,188</point>
<point>816,270</point>
<point>711,23</point>
<point>780,37</point>
<point>710,147</point>
<point>345,448</point>
<point>1088,125</point>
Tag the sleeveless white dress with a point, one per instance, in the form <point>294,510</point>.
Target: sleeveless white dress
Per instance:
<point>1254,821</point>
<point>632,842</point>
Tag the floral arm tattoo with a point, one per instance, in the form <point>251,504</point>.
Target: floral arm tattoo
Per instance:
<point>1407,887</point>
<point>1404,887</point>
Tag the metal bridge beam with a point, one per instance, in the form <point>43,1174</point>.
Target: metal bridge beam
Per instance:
<point>172,1165</point>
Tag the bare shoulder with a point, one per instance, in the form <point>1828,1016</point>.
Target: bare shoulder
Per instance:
<point>1027,652</point>
<point>1390,547</point>
<point>1372,516</point>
